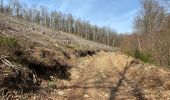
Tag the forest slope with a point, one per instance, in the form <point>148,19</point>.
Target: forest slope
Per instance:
<point>40,63</point>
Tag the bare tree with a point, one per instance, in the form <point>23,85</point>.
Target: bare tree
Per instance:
<point>1,6</point>
<point>152,31</point>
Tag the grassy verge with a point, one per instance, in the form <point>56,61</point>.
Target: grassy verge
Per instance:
<point>143,56</point>
<point>9,42</point>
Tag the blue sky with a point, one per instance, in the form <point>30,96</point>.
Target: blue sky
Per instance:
<point>118,14</point>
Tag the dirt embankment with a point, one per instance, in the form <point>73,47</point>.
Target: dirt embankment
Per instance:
<point>29,58</point>
<point>24,66</point>
<point>31,54</point>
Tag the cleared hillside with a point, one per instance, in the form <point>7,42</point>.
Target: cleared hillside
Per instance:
<point>39,63</point>
<point>45,36</point>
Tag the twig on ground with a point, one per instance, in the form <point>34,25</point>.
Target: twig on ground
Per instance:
<point>8,63</point>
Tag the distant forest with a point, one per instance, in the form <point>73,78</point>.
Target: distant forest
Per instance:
<point>59,21</point>
<point>150,40</point>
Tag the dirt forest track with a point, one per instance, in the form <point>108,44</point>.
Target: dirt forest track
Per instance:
<point>93,78</point>
<point>108,76</point>
<point>103,74</point>
<point>115,76</point>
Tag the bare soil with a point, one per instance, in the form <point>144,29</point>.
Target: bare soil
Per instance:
<point>111,76</point>
<point>115,76</point>
<point>59,66</point>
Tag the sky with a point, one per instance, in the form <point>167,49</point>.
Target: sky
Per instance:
<point>118,14</point>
